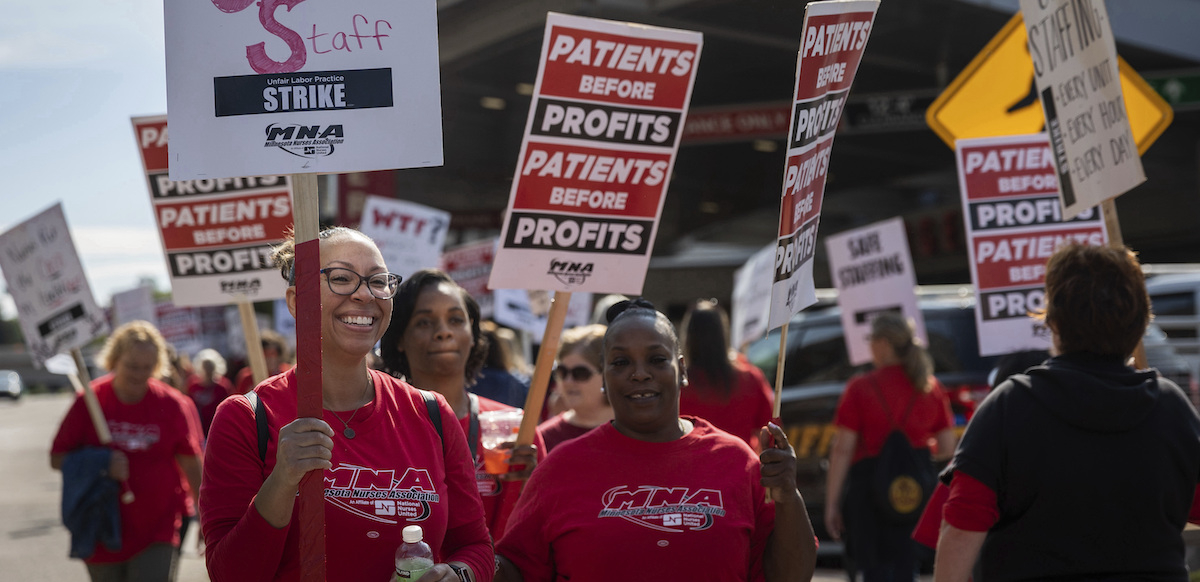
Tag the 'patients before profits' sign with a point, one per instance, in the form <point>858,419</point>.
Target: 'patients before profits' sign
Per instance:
<point>600,142</point>
<point>1014,223</point>
<point>217,234</point>
<point>302,86</point>
<point>832,42</point>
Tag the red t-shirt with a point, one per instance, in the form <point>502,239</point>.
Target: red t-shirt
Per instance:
<point>743,413</point>
<point>861,410</point>
<point>151,433</point>
<point>604,505</point>
<point>499,497</point>
<point>557,430</point>
<point>245,377</point>
<point>208,396</point>
<point>392,474</point>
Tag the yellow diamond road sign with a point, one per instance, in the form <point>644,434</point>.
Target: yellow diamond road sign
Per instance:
<point>995,95</point>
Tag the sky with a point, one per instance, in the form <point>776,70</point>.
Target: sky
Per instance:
<point>72,74</point>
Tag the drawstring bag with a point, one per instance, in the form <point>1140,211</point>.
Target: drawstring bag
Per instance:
<point>903,476</point>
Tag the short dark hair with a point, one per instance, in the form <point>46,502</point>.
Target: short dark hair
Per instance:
<point>1096,300</point>
<point>405,302</point>
<point>639,308</point>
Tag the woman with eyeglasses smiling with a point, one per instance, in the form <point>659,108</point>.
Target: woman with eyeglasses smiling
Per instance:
<point>377,435</point>
<point>580,385</point>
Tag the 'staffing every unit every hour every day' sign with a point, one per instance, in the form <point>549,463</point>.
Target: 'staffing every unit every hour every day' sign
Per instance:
<point>1075,67</point>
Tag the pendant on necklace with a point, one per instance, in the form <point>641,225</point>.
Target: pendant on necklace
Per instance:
<point>348,433</point>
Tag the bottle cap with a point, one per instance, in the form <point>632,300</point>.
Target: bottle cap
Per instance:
<point>412,534</point>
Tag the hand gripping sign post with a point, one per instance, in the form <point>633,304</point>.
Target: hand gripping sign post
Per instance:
<point>54,301</point>
<point>320,86</point>
<point>872,270</point>
<point>1014,223</point>
<point>604,125</point>
<point>217,234</point>
<point>832,42</point>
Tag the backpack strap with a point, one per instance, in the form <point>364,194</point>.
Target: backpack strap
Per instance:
<point>435,415</point>
<point>879,392</point>
<point>260,419</point>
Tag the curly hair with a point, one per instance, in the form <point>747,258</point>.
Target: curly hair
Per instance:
<point>132,334</point>
<point>395,362</point>
<point>1096,300</point>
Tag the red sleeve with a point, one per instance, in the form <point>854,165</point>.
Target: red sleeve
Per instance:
<point>929,526</point>
<point>849,409</point>
<point>525,542</point>
<point>75,431</point>
<point>1194,514</point>
<point>945,418</point>
<point>467,539</point>
<point>240,544</point>
<point>190,444</point>
<point>971,505</point>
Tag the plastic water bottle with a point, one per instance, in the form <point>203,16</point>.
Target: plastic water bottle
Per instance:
<point>413,557</point>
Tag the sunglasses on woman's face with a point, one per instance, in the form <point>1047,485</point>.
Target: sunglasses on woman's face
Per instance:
<point>578,373</point>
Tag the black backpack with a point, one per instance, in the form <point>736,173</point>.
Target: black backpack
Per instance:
<point>903,477</point>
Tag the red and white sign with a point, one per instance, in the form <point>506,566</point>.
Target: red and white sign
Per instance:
<point>605,123</point>
<point>470,265</point>
<point>832,42</point>
<point>260,87</point>
<point>1014,223</point>
<point>217,233</point>
<point>737,122</point>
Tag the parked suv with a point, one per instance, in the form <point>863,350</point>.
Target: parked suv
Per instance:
<point>817,368</point>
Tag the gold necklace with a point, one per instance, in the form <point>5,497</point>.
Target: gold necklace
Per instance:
<point>349,432</point>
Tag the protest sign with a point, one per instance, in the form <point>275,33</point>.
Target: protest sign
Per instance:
<point>600,141</point>
<point>529,311</point>
<point>133,304</point>
<point>470,265</point>
<point>871,268</point>
<point>328,87</point>
<point>1014,223</point>
<point>217,234</point>
<point>1075,68</point>
<point>751,299</point>
<point>409,235</point>
<point>832,42</point>
<point>46,280</point>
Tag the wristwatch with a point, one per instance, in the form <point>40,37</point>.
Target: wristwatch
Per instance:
<point>464,573</point>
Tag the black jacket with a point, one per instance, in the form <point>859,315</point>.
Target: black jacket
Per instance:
<point>1094,466</point>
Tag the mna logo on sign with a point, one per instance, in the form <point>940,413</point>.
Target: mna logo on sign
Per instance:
<point>305,141</point>
<point>570,273</point>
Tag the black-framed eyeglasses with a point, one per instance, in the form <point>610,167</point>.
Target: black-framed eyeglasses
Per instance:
<point>578,373</point>
<point>346,282</point>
